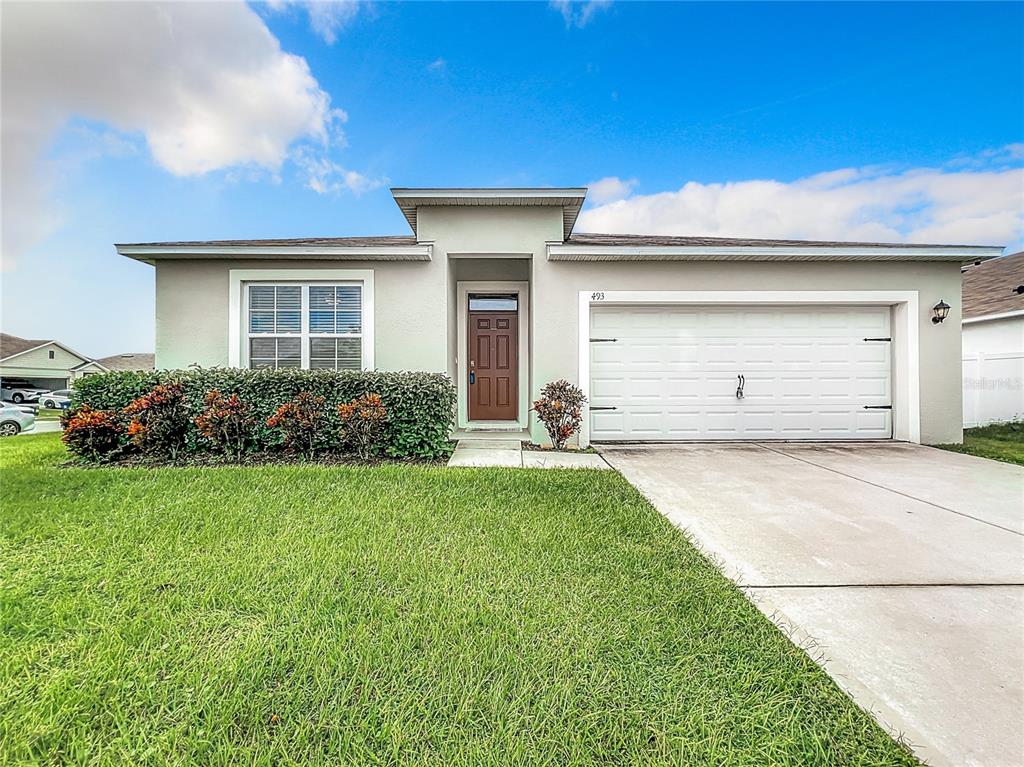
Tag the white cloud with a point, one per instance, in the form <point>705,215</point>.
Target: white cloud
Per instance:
<point>324,176</point>
<point>205,85</point>
<point>437,65</point>
<point>579,13</point>
<point>326,17</point>
<point>609,189</point>
<point>930,205</point>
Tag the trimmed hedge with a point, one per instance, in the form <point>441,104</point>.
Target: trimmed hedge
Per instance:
<point>420,406</point>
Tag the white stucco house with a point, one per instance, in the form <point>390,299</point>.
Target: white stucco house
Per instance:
<point>993,346</point>
<point>671,338</point>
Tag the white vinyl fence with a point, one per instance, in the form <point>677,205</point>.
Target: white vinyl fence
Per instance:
<point>993,387</point>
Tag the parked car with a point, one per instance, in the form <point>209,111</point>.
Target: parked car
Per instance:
<point>14,420</point>
<point>59,399</point>
<point>19,390</point>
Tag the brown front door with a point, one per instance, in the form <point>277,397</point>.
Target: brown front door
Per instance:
<point>493,366</point>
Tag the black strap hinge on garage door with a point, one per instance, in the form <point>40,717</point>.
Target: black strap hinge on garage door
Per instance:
<point>878,339</point>
<point>878,407</point>
<point>603,340</point>
<point>603,408</point>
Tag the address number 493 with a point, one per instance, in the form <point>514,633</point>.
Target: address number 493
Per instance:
<point>597,296</point>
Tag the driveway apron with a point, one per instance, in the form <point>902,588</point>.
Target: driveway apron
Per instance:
<point>900,567</point>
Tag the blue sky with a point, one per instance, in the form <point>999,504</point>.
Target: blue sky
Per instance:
<point>808,120</point>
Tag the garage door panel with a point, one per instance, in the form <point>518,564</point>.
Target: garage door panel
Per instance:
<point>672,373</point>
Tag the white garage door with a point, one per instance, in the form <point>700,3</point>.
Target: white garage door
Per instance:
<point>672,372</point>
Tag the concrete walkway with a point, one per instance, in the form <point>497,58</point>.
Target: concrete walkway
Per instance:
<point>901,566</point>
<point>496,451</point>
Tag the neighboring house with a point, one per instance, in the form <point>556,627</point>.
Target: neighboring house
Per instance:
<point>51,365</point>
<point>671,338</point>
<point>130,361</point>
<point>47,364</point>
<point>993,347</point>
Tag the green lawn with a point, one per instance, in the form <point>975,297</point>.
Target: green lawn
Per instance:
<point>1003,442</point>
<point>48,414</point>
<point>309,615</point>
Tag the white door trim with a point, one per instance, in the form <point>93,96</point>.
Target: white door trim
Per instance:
<point>522,291</point>
<point>237,356</point>
<point>906,411</point>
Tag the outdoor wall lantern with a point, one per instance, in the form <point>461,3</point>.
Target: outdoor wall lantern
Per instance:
<point>941,311</point>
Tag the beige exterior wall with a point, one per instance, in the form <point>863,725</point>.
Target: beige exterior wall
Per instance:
<point>409,310</point>
<point>556,287</point>
<point>415,302</point>
<point>37,363</point>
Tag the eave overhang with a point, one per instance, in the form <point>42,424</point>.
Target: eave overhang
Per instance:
<point>569,199</point>
<point>958,254</point>
<point>152,253</point>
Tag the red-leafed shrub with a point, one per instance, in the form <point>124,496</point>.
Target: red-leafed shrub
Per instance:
<point>92,434</point>
<point>227,422</point>
<point>160,421</point>
<point>302,423</point>
<point>362,424</point>
<point>560,409</point>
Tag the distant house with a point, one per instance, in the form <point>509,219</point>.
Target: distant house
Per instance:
<point>50,364</point>
<point>45,363</point>
<point>993,341</point>
<point>131,361</point>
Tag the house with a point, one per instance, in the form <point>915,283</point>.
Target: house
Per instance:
<point>671,338</point>
<point>993,346</point>
<point>47,364</point>
<point>51,365</point>
<point>138,361</point>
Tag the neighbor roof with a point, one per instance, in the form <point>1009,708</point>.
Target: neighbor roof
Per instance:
<point>129,361</point>
<point>11,345</point>
<point>569,199</point>
<point>994,287</point>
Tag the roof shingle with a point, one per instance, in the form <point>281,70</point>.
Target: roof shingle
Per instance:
<point>11,345</point>
<point>994,287</point>
<point>728,242</point>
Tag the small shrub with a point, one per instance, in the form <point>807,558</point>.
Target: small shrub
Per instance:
<point>302,423</point>
<point>560,410</point>
<point>227,422</point>
<point>92,434</point>
<point>160,421</point>
<point>362,424</point>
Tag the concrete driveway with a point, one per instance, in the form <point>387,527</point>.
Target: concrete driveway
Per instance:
<point>900,566</point>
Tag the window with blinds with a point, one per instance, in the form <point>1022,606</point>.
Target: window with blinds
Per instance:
<point>314,326</point>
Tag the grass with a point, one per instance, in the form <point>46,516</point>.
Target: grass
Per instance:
<point>1002,442</point>
<point>389,615</point>
<point>48,414</point>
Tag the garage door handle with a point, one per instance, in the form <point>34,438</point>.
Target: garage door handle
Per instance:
<point>603,408</point>
<point>878,407</point>
<point>739,389</point>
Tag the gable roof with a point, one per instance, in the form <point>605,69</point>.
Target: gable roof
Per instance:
<point>11,345</point>
<point>994,287</point>
<point>14,346</point>
<point>128,361</point>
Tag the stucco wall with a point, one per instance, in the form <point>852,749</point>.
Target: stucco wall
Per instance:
<point>556,287</point>
<point>415,312</point>
<point>409,311</point>
<point>516,232</point>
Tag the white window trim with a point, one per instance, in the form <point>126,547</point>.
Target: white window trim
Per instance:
<point>905,328</point>
<point>522,291</point>
<point>238,336</point>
